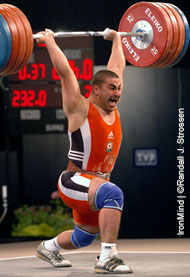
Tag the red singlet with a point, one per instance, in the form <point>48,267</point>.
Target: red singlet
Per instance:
<point>95,145</point>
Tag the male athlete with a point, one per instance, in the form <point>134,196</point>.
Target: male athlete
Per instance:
<point>94,131</point>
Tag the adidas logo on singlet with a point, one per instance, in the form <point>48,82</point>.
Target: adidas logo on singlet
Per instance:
<point>111,136</point>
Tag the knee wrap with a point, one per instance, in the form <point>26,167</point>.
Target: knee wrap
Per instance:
<point>110,196</point>
<point>81,238</point>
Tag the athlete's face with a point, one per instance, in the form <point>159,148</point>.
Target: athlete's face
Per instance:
<point>109,94</point>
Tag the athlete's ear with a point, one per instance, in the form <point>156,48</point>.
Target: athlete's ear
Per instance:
<point>96,89</point>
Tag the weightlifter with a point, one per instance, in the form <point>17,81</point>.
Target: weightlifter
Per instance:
<point>95,134</point>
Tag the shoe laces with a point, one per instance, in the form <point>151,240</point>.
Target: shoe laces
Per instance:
<point>59,256</point>
<point>111,263</point>
<point>54,256</point>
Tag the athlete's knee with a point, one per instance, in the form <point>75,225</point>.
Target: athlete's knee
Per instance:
<point>81,238</point>
<point>108,195</point>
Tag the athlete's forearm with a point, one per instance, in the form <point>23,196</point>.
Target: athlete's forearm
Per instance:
<point>117,58</point>
<point>58,59</point>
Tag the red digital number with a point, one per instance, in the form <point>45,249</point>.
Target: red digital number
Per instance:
<point>23,98</point>
<point>42,98</point>
<point>27,98</point>
<point>15,99</point>
<point>30,98</point>
<point>22,75</point>
<point>34,72</point>
<point>87,70</point>
<point>37,71</point>
<point>43,70</point>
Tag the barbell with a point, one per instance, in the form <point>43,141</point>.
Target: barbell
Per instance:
<point>152,35</point>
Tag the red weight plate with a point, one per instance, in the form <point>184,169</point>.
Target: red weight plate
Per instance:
<point>28,34</point>
<point>181,34</point>
<point>22,38</point>
<point>151,20</point>
<point>15,40</point>
<point>176,36</point>
<point>173,28</point>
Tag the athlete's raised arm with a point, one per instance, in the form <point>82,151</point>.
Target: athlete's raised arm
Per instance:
<point>73,101</point>
<point>116,61</point>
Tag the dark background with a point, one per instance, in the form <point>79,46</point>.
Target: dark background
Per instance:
<point>149,113</point>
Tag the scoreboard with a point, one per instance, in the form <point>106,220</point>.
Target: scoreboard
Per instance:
<point>33,102</point>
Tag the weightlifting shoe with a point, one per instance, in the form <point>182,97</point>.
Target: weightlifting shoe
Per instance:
<point>54,258</point>
<point>112,265</point>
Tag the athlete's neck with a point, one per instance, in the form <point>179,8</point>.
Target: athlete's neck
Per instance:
<point>101,107</point>
<point>108,117</point>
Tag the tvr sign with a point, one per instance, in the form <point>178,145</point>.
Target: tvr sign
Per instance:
<point>146,157</point>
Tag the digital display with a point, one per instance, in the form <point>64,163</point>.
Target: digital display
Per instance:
<point>35,91</point>
<point>40,71</point>
<point>29,98</point>
<point>40,95</point>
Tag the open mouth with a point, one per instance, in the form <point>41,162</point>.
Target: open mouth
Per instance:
<point>113,101</point>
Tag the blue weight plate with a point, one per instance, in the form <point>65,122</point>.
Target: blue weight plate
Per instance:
<point>5,43</point>
<point>187,35</point>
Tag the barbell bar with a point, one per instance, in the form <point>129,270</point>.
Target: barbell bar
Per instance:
<point>152,35</point>
<point>92,34</point>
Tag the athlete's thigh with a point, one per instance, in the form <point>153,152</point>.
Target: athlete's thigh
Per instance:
<point>73,188</point>
<point>94,185</point>
<point>88,228</point>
